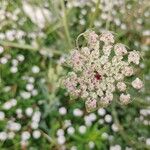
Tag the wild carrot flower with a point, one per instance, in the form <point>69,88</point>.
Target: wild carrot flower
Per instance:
<point>100,70</point>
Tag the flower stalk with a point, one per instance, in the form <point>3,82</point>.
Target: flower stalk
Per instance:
<point>65,23</point>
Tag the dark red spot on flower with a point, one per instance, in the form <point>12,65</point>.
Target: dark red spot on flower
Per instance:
<point>98,76</point>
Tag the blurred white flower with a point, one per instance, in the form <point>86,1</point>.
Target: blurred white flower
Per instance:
<point>13,126</point>
<point>82,129</point>
<point>123,26</point>
<point>9,104</point>
<point>36,134</point>
<point>101,111</point>
<point>62,111</point>
<point>34,92</point>
<point>73,148</point>
<point>36,116</point>
<point>1,49</point>
<point>67,123</point>
<point>11,135</point>
<point>114,127</point>
<point>31,80</point>
<point>104,135</point>
<point>145,112</point>
<point>35,69</point>
<point>142,65</point>
<point>60,132</point>
<point>148,141</point>
<point>25,135</point>
<point>115,147</point>
<point>70,130</point>
<point>2,115</point>
<point>34,125</point>
<point>91,144</point>
<point>19,113</point>
<point>110,138</point>
<point>61,140</point>
<point>29,87</point>
<point>38,15</point>
<point>13,102</point>
<point>77,112</point>
<point>20,57</point>
<point>3,60</point>
<point>87,120</point>
<point>108,118</point>
<point>7,88</point>
<point>92,116</point>
<point>101,121</point>
<point>10,35</point>
<point>29,111</point>
<point>15,62</point>
<point>25,95</point>
<point>128,148</point>
<point>3,136</point>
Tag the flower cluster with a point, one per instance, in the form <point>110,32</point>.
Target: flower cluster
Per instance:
<point>100,71</point>
<point>20,115</point>
<point>81,123</point>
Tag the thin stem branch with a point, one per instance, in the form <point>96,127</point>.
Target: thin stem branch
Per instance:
<point>108,19</point>
<point>77,43</point>
<point>65,24</point>
<point>18,45</point>
<point>94,15</point>
<point>26,47</point>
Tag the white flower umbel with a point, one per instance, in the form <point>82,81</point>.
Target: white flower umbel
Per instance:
<point>100,71</point>
<point>137,83</point>
<point>134,57</point>
<point>125,99</point>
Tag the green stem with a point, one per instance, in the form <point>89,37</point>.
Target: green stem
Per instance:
<point>108,21</point>
<point>64,19</point>
<point>18,45</point>
<point>26,47</point>
<point>77,43</point>
<point>94,15</point>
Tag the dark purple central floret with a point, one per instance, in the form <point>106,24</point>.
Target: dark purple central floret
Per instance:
<point>98,76</point>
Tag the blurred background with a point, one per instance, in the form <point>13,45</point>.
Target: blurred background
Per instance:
<point>35,112</point>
